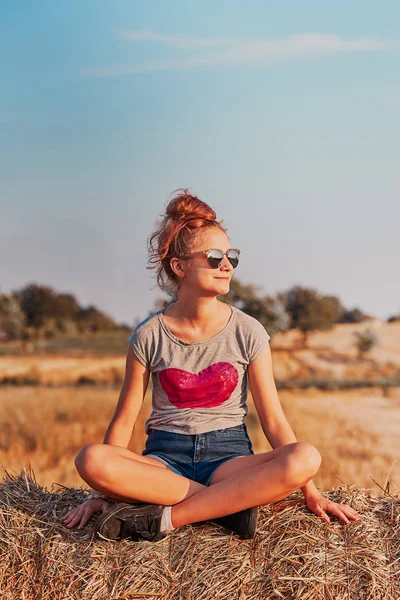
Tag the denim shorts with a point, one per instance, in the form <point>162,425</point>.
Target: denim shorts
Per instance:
<point>197,456</point>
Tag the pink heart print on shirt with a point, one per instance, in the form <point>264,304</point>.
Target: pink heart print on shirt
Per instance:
<point>209,388</point>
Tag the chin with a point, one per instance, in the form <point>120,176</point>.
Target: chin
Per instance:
<point>224,285</point>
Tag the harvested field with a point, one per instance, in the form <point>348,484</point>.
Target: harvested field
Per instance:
<point>355,431</point>
<point>294,554</point>
<point>329,354</point>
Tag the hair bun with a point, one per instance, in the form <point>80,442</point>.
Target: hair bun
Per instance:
<point>185,218</point>
<point>186,208</point>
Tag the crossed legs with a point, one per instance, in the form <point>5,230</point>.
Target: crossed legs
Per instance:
<point>237,484</point>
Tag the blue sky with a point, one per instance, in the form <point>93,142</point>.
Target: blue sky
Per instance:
<point>284,117</point>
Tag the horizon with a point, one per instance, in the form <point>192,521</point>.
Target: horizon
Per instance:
<point>283,118</point>
<point>160,298</point>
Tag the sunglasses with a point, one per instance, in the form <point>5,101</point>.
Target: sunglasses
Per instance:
<point>215,257</point>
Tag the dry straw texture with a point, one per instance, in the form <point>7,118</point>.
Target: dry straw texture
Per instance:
<point>294,554</point>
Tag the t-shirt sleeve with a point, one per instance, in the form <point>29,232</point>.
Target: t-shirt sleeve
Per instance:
<point>138,342</point>
<point>257,340</point>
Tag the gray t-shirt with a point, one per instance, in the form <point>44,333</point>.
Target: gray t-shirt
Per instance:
<point>198,386</point>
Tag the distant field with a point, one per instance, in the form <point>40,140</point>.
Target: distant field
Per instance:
<point>103,342</point>
<point>73,387</point>
<point>356,432</point>
<point>330,356</point>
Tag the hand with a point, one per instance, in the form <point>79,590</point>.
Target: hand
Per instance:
<point>82,513</point>
<point>321,506</point>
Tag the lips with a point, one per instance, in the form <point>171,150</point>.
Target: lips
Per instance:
<point>211,387</point>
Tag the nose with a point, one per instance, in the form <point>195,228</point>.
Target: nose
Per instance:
<point>226,265</point>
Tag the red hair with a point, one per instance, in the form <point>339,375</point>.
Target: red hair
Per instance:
<point>186,217</point>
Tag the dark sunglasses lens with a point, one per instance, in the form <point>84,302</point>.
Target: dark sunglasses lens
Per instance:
<point>233,257</point>
<point>214,258</point>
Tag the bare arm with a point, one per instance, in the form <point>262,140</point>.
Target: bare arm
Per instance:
<point>119,431</point>
<point>279,432</point>
<point>266,400</point>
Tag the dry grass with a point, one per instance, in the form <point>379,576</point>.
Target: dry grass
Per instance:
<point>293,556</point>
<point>356,432</point>
<point>329,354</point>
<point>45,428</point>
<point>63,370</point>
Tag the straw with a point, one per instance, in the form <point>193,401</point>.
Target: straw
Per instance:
<point>294,555</point>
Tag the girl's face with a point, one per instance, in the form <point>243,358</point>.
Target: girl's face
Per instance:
<point>199,276</point>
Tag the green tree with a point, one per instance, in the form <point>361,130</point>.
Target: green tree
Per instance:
<point>269,310</point>
<point>49,312</point>
<point>92,319</point>
<point>241,294</point>
<point>12,317</point>
<point>365,341</point>
<point>67,306</point>
<point>332,308</point>
<point>38,302</point>
<point>310,310</point>
<point>394,319</point>
<point>355,315</point>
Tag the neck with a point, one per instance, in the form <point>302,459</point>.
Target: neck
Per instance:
<point>196,310</point>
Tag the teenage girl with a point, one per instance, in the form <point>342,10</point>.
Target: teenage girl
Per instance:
<point>202,354</point>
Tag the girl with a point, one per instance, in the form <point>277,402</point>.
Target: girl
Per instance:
<point>198,463</point>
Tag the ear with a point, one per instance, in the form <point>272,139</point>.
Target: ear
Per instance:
<point>177,266</point>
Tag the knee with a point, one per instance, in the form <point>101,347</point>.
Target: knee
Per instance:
<point>90,461</point>
<point>303,463</point>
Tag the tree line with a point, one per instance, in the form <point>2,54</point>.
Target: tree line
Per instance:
<point>36,311</point>
<point>297,308</point>
<point>40,311</point>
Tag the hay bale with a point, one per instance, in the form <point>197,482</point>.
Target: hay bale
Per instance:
<point>294,554</point>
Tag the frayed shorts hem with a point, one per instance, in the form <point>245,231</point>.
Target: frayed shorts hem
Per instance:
<point>196,457</point>
<point>176,469</point>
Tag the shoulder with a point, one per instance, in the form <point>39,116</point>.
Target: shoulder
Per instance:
<point>147,330</point>
<point>143,338</point>
<point>250,325</point>
<point>251,335</point>
<point>148,324</point>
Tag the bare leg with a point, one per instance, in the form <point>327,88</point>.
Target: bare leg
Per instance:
<point>250,481</point>
<point>243,482</point>
<point>126,476</point>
